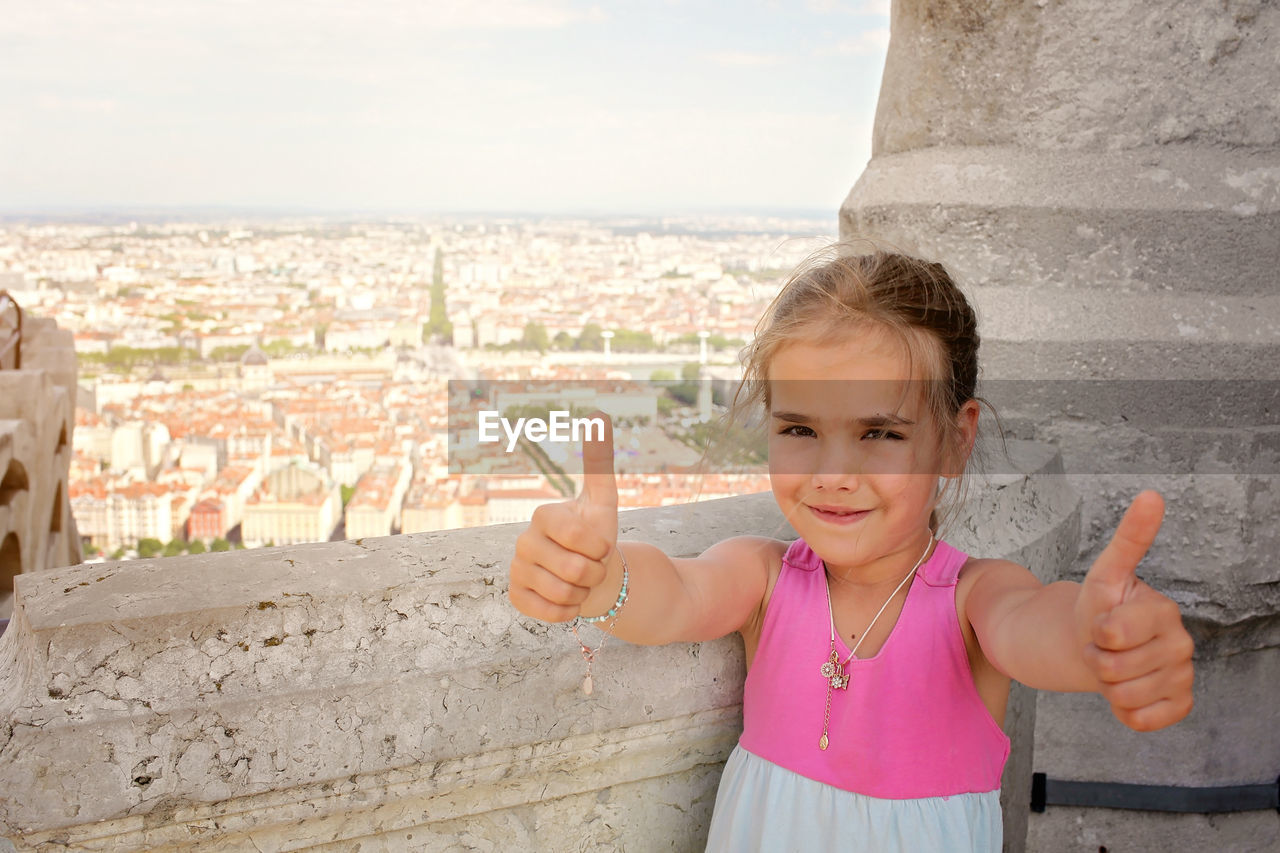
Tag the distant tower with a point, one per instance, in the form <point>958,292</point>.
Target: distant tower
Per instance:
<point>704,400</point>
<point>608,336</point>
<point>702,346</point>
<point>255,369</point>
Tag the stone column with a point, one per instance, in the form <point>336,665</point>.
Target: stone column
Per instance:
<point>1104,178</point>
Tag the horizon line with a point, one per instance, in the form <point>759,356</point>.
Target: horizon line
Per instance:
<point>70,211</point>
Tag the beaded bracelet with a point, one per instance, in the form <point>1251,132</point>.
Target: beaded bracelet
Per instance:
<point>622,594</point>
<point>588,653</point>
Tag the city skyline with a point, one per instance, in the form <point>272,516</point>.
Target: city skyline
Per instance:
<point>289,381</point>
<point>537,106</point>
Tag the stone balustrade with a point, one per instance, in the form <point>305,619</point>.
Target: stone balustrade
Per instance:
<point>384,695</point>
<point>37,418</point>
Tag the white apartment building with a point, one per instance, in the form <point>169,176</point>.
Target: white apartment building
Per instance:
<point>375,508</point>
<point>294,504</point>
<point>340,337</point>
<point>437,513</point>
<point>117,517</point>
<point>508,506</point>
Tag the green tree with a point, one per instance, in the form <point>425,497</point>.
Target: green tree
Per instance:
<point>196,546</point>
<point>128,358</point>
<point>281,347</point>
<point>535,336</point>
<point>562,340</point>
<point>174,547</point>
<point>626,340</point>
<point>714,341</point>
<point>686,390</point>
<point>347,492</point>
<point>438,318</point>
<point>232,353</point>
<point>220,544</point>
<point>148,548</point>
<point>117,554</point>
<point>590,339</point>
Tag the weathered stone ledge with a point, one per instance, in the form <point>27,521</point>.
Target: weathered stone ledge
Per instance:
<point>386,691</point>
<point>1242,181</point>
<point>397,799</point>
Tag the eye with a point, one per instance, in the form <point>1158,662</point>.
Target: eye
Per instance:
<point>797,430</point>
<point>875,434</point>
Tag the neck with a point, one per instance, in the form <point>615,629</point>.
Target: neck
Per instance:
<point>888,571</point>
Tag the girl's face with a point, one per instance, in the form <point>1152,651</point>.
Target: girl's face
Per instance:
<point>854,457</point>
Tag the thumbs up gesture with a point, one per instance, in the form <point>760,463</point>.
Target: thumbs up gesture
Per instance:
<point>1131,636</point>
<point>565,554</point>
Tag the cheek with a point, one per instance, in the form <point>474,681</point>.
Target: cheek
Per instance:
<point>787,475</point>
<point>902,459</point>
<point>787,486</point>
<point>791,457</point>
<point>911,491</point>
<point>894,459</point>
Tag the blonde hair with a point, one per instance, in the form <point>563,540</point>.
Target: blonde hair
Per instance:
<point>839,290</point>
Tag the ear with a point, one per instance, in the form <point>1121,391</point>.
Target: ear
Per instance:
<point>966,433</point>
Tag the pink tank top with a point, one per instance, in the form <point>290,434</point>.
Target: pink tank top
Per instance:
<point>910,724</point>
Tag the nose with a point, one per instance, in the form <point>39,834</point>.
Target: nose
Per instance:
<point>835,482</point>
<point>838,468</point>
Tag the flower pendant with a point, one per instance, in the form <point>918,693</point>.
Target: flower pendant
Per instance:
<point>833,671</point>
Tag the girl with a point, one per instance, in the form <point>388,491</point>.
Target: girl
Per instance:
<point>879,657</point>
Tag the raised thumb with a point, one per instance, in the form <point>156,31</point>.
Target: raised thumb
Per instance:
<point>1113,575</point>
<point>599,487</point>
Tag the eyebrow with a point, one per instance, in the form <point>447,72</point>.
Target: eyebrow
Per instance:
<point>877,420</point>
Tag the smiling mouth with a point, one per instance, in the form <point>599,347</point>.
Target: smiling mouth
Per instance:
<point>838,515</point>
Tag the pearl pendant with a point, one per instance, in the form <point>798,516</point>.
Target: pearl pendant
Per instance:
<point>587,686</point>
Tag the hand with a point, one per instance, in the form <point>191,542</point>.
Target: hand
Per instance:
<point>1131,636</point>
<point>563,555</point>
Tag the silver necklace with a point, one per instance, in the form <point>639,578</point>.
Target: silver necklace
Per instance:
<point>833,668</point>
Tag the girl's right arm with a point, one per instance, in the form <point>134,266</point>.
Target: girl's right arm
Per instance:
<point>567,565</point>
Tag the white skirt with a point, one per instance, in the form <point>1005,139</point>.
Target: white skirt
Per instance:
<point>763,807</point>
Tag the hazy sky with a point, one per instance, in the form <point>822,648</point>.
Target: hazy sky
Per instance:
<point>475,105</point>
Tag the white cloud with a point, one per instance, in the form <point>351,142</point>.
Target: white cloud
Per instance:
<point>865,43</point>
<point>64,47</point>
<point>866,7</point>
<point>57,104</point>
<point>744,59</point>
<point>389,102</point>
<point>107,18</point>
<point>495,14</point>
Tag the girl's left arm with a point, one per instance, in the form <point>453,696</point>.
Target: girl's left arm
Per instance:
<point>1111,634</point>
